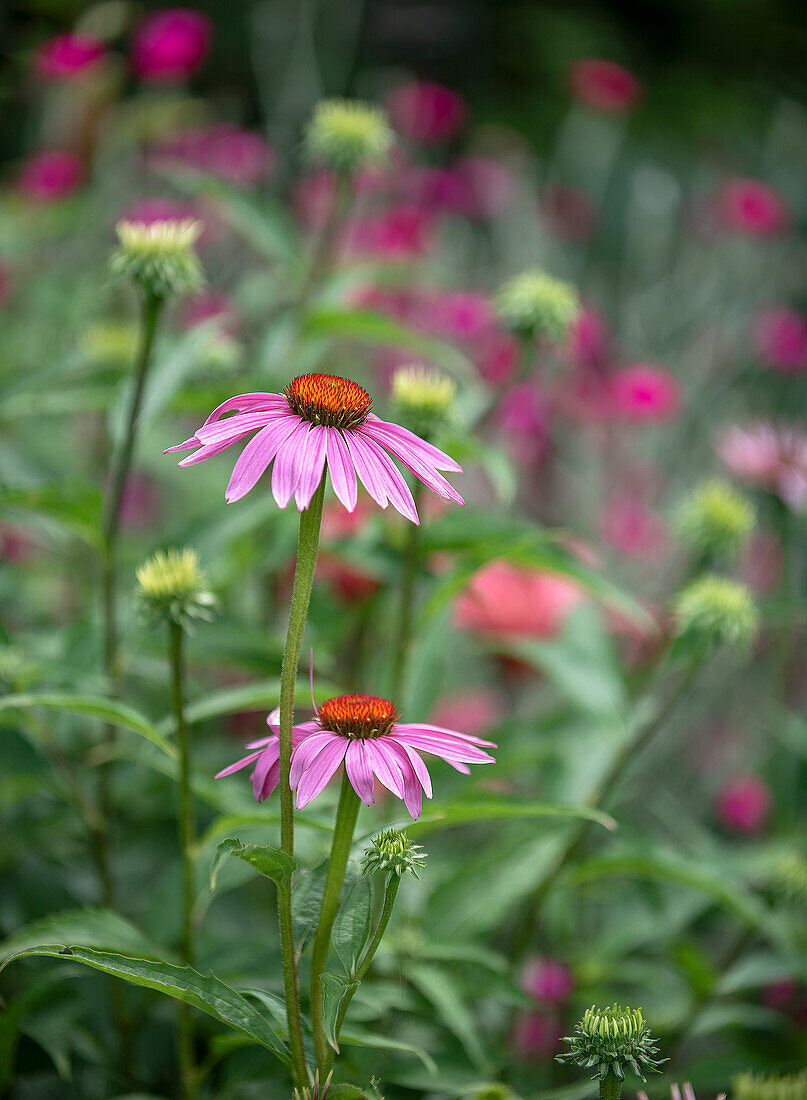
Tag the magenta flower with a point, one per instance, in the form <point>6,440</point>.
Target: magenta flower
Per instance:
<point>212,304</point>
<point>604,85</point>
<point>171,44</point>
<point>67,55</point>
<point>225,151</point>
<point>744,804</point>
<point>51,175</point>
<point>641,392</point>
<point>537,1034</point>
<point>589,340</point>
<point>426,112</point>
<point>402,231</point>
<point>774,459</point>
<point>522,417</point>
<point>780,339</point>
<point>633,529</point>
<point>505,599</point>
<point>750,206</point>
<point>547,980</point>
<point>320,420</point>
<point>364,733</point>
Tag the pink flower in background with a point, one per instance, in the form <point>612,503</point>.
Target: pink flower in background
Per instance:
<point>211,304</point>
<point>632,528</point>
<point>604,85</point>
<point>475,710</point>
<point>780,339</point>
<point>744,804</point>
<point>502,598</point>
<point>51,175</point>
<point>171,44</point>
<point>589,340</point>
<point>537,1034</point>
<point>496,355</point>
<point>568,213</point>
<point>522,418</point>
<point>750,206</point>
<point>456,314</point>
<point>319,420</point>
<point>760,562</point>
<point>225,151</point>
<point>547,980</point>
<point>771,458</point>
<point>15,543</point>
<point>425,112</point>
<point>489,188</point>
<point>67,55</point>
<point>364,732</point>
<point>158,209</point>
<point>436,189</point>
<point>641,393</point>
<point>313,198</point>
<point>402,231</point>
<point>780,996</point>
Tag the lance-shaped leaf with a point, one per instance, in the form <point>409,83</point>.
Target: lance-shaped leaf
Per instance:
<point>272,862</point>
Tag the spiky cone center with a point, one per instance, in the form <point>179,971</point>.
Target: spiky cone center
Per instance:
<point>358,716</point>
<point>328,400</point>
<point>613,1040</point>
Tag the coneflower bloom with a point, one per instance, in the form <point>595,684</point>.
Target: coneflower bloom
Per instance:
<point>320,419</point>
<point>365,734</point>
<point>772,458</point>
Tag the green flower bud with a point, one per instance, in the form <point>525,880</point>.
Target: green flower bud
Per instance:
<point>171,586</point>
<point>109,343</point>
<point>715,610</point>
<point>753,1086</point>
<point>346,135</point>
<point>611,1041</point>
<point>393,853</point>
<point>536,304</point>
<point>159,257</point>
<point>715,519</point>
<point>788,875</point>
<point>422,398</point>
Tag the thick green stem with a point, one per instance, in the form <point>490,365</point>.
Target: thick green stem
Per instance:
<point>389,904</point>
<point>610,1087</point>
<point>307,547</point>
<point>411,564</point>
<point>187,1061</point>
<point>346,814</point>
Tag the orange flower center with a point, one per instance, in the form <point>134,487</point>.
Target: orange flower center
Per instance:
<point>358,715</point>
<point>327,399</point>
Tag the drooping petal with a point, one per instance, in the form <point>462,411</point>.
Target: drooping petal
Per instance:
<point>418,765</point>
<point>366,469</point>
<point>271,780</point>
<point>412,792</point>
<point>246,402</point>
<point>395,488</point>
<point>321,770</point>
<point>427,474</point>
<point>445,747</point>
<point>385,766</point>
<point>427,727</point>
<point>244,762</point>
<point>194,441</point>
<point>343,474</point>
<point>266,761</point>
<point>430,455</point>
<point>203,453</point>
<point>287,469</point>
<point>256,456</point>
<point>304,753</point>
<point>312,465</point>
<point>359,771</point>
<point>235,427</point>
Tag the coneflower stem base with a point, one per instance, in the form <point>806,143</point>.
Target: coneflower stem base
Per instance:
<point>307,549</point>
<point>610,1087</point>
<point>345,823</point>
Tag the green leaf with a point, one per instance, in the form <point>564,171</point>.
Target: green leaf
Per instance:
<point>334,990</point>
<point>75,508</point>
<point>461,813</point>
<point>92,706</point>
<point>442,992</point>
<point>305,904</point>
<point>351,930</point>
<point>272,862</point>
<point>205,992</point>
<point>356,1038</point>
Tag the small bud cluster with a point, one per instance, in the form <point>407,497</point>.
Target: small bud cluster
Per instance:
<point>715,520</point>
<point>316,1092</point>
<point>393,853</point>
<point>611,1041</point>
<point>715,610</point>
<point>346,135</point>
<point>422,398</point>
<point>171,586</point>
<point>752,1086</point>
<point>536,304</point>
<point>159,257</point>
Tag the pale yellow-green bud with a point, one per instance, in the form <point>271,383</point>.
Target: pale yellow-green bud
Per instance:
<point>110,343</point>
<point>422,398</point>
<point>715,610</point>
<point>715,520</point>
<point>171,586</point>
<point>536,304</point>
<point>159,257</point>
<point>346,135</point>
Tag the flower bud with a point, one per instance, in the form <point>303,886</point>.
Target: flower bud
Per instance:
<point>753,1086</point>
<point>536,304</point>
<point>171,586</point>
<point>346,135</point>
<point>159,257</point>
<point>393,853</point>
<point>423,398</point>
<point>715,610</point>
<point>613,1040</point>
<point>715,520</point>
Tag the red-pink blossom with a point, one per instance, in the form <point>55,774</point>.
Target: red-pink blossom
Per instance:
<point>402,231</point>
<point>781,996</point>
<point>522,417</point>
<point>171,44</point>
<point>537,1035</point>
<point>209,305</point>
<point>51,175</point>
<point>455,314</point>
<point>642,392</point>
<point>502,598</point>
<point>488,186</point>
<point>769,457</point>
<point>780,339</point>
<point>589,340</point>
<point>67,55</point>
<point>426,112</point>
<point>228,152</point>
<point>547,980</point>
<point>496,355</point>
<point>744,804</point>
<point>751,206</point>
<point>632,528</point>
<point>568,213</point>
<point>604,85</point>
<point>475,710</point>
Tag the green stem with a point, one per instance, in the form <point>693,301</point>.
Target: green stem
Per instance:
<point>411,565</point>
<point>390,895</point>
<point>610,1087</point>
<point>344,825</point>
<point>185,1042</point>
<point>307,547</point>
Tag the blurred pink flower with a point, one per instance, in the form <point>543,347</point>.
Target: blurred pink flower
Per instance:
<point>67,55</point>
<point>744,804</point>
<point>760,562</point>
<point>157,209</point>
<point>547,980</point>
<point>402,231</point>
<point>522,417</point>
<point>171,44</point>
<point>15,543</point>
<point>475,710</point>
<point>456,314</point>
<point>568,213</point>
<point>436,189</point>
<point>642,392</point>
<point>633,529</point>
<point>537,1034</point>
<point>425,112</point>
<point>140,502</point>
<point>489,187</point>
<point>51,175</point>
<point>604,85</point>
<point>588,344</point>
<point>780,996</point>
<point>204,307</point>
<point>774,459</point>
<point>750,206</point>
<point>780,339</point>
<point>225,151</point>
<point>313,197</point>
<point>502,598</point>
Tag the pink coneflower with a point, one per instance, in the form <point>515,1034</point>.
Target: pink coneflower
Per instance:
<point>426,112</point>
<point>171,44</point>
<point>403,231</point>
<point>641,393</point>
<point>780,339</point>
<point>774,459</point>
<point>67,55</point>
<point>522,417</point>
<point>632,528</point>
<point>320,419</point>
<point>537,1034</point>
<point>604,85</point>
<point>489,186</point>
<point>502,598</point>
<point>456,314</point>
<point>589,340</point>
<point>225,151</point>
<point>750,206</point>
<point>366,734</point>
<point>50,175</point>
<point>477,710</point>
<point>547,980</point>
<point>744,804</point>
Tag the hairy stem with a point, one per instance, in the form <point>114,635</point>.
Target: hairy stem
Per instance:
<point>610,1087</point>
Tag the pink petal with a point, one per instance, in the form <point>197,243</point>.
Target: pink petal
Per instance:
<point>426,452</point>
<point>192,442</point>
<point>234,427</point>
<point>287,469</point>
<point>385,766</point>
<point>343,475</point>
<point>418,766</point>
<point>321,770</point>
<point>244,762</point>
<point>412,793</point>
<point>359,771</point>
<point>305,753</point>
<point>427,474</point>
<point>366,469</point>
<point>255,458</point>
<point>426,727</point>
<point>312,464</point>
<point>270,782</point>
<point>395,488</point>
<point>203,453</point>
<point>260,743</point>
<point>266,761</point>
<point>245,402</point>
